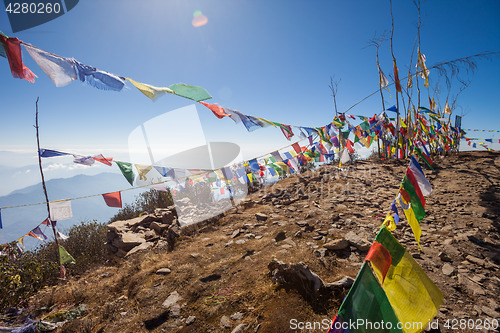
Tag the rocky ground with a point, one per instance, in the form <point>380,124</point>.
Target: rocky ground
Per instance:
<point>290,252</point>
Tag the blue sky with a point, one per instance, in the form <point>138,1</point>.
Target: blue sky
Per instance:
<point>271,59</point>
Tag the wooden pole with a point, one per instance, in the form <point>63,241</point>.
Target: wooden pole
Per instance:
<point>45,188</point>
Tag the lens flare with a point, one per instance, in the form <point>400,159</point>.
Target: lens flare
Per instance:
<point>199,19</point>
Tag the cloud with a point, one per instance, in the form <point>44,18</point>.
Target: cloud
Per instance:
<point>62,167</point>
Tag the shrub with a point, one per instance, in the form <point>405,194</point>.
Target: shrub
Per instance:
<point>23,275</point>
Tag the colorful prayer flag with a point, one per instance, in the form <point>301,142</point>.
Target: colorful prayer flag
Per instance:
<point>113,199</point>
<point>423,183</point>
<point>51,153</point>
<point>410,195</point>
<point>143,170</point>
<point>413,296</point>
<point>412,220</point>
<point>60,210</point>
<point>217,110</point>
<point>126,169</point>
<point>150,91</point>
<point>59,69</point>
<point>65,257</point>
<point>191,92</point>
<point>367,303</point>
<point>102,159</point>
<point>12,47</point>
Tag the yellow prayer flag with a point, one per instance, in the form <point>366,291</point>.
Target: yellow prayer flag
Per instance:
<point>412,220</point>
<point>151,91</point>
<point>389,222</point>
<point>412,294</point>
<point>142,170</point>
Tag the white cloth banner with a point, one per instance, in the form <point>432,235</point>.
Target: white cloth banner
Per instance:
<point>60,210</point>
<point>60,70</point>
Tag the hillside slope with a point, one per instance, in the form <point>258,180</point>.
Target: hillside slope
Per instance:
<point>226,262</point>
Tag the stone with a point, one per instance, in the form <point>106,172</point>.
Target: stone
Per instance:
<point>236,233</point>
<point>337,244</point>
<point>280,236</point>
<point>158,227</point>
<point>358,242</point>
<point>298,234</point>
<point>172,299</point>
<point>194,255</point>
<point>301,223</point>
<point>321,252</point>
<point>225,322</point>
<point>149,234</point>
<point>295,276</point>
<point>448,269</point>
<point>345,282</point>
<point>163,271</point>
<point>229,243</point>
<point>129,240</point>
<point>241,241</point>
<point>167,217</point>
<point>141,247</point>
<point>190,320</point>
<point>260,216</point>
<point>175,310</point>
<point>210,278</point>
<point>444,257</point>
<point>237,316</point>
<point>240,328</point>
<point>490,312</point>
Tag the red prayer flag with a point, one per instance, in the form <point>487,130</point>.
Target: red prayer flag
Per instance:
<point>380,258</point>
<point>349,146</point>
<point>12,47</point>
<point>46,222</point>
<point>216,109</point>
<point>404,194</point>
<point>287,131</point>
<point>296,147</point>
<point>102,159</point>
<point>113,199</point>
<point>222,190</point>
<point>396,77</point>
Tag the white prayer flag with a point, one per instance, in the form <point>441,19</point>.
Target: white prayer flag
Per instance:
<point>60,210</point>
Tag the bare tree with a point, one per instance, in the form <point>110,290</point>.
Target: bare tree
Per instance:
<point>334,88</point>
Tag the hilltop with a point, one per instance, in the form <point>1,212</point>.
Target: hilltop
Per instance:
<point>217,278</point>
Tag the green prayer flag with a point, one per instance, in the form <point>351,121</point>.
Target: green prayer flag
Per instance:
<point>192,92</point>
<point>365,126</point>
<point>419,151</point>
<point>416,204</point>
<point>367,302</point>
<point>127,171</point>
<point>356,138</point>
<point>65,257</point>
<point>277,169</point>
<point>346,134</point>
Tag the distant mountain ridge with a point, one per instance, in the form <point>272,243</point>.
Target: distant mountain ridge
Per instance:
<point>19,221</point>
